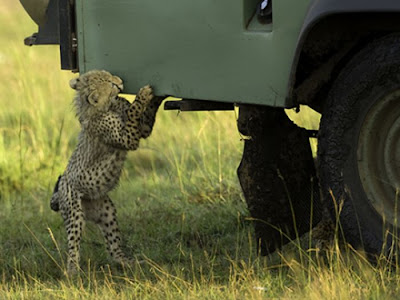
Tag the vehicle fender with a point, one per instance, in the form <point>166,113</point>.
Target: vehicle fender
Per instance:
<point>320,9</point>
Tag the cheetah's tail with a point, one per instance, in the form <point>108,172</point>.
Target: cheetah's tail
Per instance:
<point>55,201</point>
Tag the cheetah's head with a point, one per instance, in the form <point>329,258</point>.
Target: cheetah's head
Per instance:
<point>95,90</point>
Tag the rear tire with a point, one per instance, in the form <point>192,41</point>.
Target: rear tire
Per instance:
<point>359,146</point>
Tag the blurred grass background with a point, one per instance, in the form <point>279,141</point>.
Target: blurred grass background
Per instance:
<point>179,203</point>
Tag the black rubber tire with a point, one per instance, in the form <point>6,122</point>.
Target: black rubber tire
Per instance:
<point>370,75</point>
<point>278,177</point>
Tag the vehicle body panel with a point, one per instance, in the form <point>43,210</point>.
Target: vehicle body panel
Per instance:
<point>192,49</point>
<point>206,50</point>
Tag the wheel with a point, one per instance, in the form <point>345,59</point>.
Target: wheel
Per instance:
<point>277,176</point>
<point>359,146</point>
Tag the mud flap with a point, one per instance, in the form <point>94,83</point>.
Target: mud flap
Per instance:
<point>277,176</point>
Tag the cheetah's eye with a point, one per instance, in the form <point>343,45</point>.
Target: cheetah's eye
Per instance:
<point>113,84</point>
<point>118,86</point>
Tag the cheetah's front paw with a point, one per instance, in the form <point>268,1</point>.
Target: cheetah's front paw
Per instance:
<point>145,95</point>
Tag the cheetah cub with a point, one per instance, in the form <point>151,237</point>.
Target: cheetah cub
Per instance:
<point>110,126</point>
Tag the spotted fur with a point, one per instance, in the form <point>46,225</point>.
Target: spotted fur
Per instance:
<point>110,127</point>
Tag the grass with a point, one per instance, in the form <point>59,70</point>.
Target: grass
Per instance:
<point>179,204</point>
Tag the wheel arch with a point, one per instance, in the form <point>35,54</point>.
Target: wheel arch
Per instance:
<point>331,33</point>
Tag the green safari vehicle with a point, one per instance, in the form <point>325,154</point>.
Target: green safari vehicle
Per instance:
<point>339,57</point>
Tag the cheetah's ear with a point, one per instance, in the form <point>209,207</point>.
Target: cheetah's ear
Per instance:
<point>94,98</point>
<point>73,83</point>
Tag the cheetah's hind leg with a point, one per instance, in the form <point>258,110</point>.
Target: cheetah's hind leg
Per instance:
<point>103,213</point>
<point>72,213</point>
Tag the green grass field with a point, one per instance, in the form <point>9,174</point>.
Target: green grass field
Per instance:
<point>179,204</point>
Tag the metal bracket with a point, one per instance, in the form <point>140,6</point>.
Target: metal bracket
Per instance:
<point>59,28</point>
<point>68,41</point>
<point>48,33</point>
